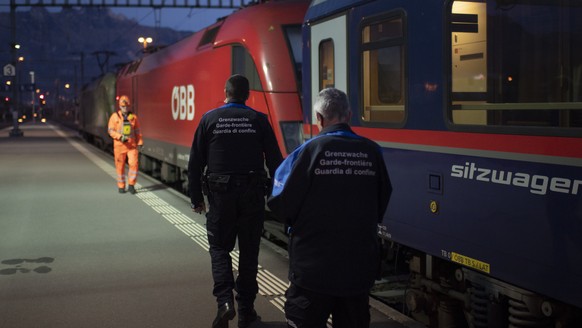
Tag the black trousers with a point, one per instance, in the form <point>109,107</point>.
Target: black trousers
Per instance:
<point>237,213</point>
<point>308,309</point>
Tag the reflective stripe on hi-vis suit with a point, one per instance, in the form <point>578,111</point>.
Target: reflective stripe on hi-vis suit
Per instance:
<point>121,155</point>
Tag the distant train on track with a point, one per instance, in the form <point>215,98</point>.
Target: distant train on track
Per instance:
<point>97,103</point>
<point>477,105</point>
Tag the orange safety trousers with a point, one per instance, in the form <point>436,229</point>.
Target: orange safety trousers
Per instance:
<point>122,154</point>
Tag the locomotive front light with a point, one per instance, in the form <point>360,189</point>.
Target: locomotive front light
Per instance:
<point>292,135</point>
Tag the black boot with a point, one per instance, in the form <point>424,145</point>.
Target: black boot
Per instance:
<point>225,313</point>
<point>121,190</point>
<point>246,318</point>
<point>131,189</point>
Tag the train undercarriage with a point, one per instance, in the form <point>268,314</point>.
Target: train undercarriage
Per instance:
<point>441,294</point>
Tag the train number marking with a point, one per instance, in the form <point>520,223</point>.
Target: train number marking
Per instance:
<point>446,254</point>
<point>470,262</point>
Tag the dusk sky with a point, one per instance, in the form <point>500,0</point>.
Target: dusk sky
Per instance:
<point>179,19</point>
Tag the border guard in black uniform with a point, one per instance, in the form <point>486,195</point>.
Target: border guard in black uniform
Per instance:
<point>231,146</point>
<point>332,192</point>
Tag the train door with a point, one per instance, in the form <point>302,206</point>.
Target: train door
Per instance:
<point>329,57</point>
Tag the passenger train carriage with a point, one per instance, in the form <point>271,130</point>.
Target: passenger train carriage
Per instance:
<point>477,105</point>
<point>171,89</point>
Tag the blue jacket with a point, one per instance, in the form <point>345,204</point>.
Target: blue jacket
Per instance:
<point>332,192</point>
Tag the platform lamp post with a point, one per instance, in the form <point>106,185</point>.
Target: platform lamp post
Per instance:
<point>32,96</point>
<point>14,104</point>
<point>145,41</point>
<point>15,132</point>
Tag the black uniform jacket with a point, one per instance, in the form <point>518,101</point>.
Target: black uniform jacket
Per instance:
<point>332,192</point>
<point>234,140</point>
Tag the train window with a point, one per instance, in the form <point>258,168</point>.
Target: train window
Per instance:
<point>242,63</point>
<point>209,36</point>
<point>383,70</point>
<point>516,63</point>
<point>293,36</point>
<point>326,65</point>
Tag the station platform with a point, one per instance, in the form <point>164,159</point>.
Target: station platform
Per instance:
<point>76,253</point>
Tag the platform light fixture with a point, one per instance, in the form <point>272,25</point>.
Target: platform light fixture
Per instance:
<point>145,41</point>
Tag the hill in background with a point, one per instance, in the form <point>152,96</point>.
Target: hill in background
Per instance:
<point>61,46</point>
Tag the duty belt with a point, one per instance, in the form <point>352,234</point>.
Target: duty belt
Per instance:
<point>221,182</point>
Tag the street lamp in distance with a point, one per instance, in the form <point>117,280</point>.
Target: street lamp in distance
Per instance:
<point>145,41</point>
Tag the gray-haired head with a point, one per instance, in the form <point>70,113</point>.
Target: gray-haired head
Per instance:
<point>332,103</point>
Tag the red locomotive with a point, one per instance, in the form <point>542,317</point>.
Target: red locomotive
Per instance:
<point>171,89</point>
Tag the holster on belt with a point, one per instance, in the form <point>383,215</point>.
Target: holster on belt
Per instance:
<point>204,183</point>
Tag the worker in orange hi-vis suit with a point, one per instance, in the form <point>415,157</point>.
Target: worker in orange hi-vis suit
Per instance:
<point>127,139</point>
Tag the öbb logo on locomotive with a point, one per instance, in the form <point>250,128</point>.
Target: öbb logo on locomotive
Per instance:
<point>183,102</point>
